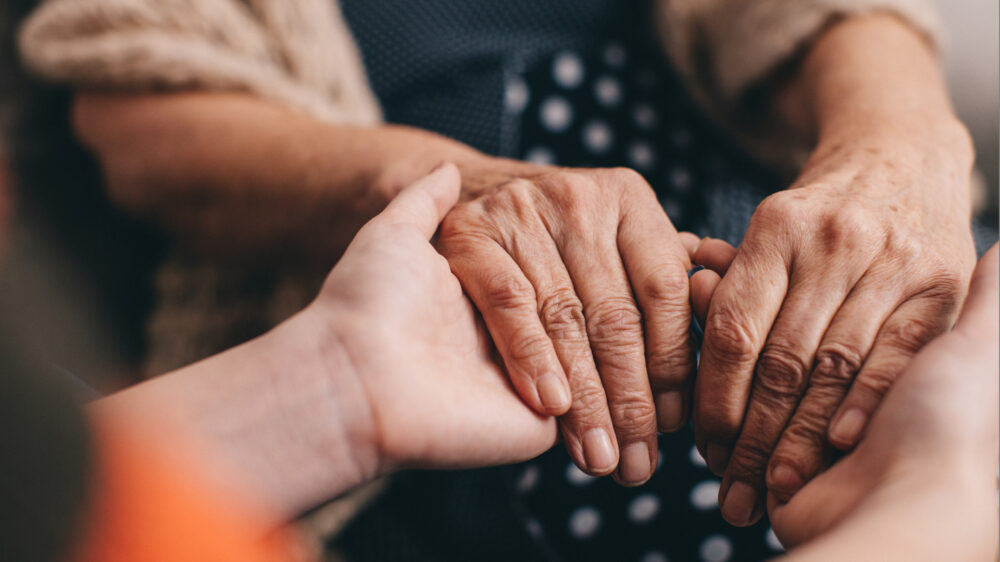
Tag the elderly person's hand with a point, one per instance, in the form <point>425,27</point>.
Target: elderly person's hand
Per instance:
<point>843,277</point>
<point>581,279</point>
<point>925,471</point>
<point>921,484</point>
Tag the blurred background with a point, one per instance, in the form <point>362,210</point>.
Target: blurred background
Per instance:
<point>973,67</point>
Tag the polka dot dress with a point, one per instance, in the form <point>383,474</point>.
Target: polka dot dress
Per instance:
<point>616,107</point>
<point>572,83</point>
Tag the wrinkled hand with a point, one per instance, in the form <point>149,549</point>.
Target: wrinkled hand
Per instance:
<point>838,282</point>
<point>435,396</point>
<point>934,434</point>
<point>581,279</point>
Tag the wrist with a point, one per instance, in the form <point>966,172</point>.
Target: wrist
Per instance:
<point>329,397</point>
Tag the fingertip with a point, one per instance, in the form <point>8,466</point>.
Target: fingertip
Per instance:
<point>553,394</point>
<point>690,242</point>
<point>703,285</point>
<point>714,254</point>
<point>847,427</point>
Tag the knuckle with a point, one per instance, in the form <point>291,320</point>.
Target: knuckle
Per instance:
<point>836,365</point>
<point>876,381</point>
<point>614,322</point>
<point>909,335</point>
<point>633,417</point>
<point>569,188</point>
<point>670,368</point>
<point>749,458</point>
<point>807,431</point>
<point>781,372</point>
<point>779,207</point>
<point>589,400</point>
<point>726,339</point>
<point>508,290</point>
<point>562,313</point>
<point>714,422</point>
<point>666,287</point>
<point>526,345</point>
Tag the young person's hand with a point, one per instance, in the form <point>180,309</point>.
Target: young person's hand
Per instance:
<point>395,316</point>
<point>388,368</point>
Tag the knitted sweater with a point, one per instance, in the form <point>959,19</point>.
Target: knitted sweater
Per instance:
<point>301,54</point>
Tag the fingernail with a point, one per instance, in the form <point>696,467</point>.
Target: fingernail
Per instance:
<point>670,411</point>
<point>439,166</point>
<point>846,430</point>
<point>552,392</point>
<point>739,503</point>
<point>598,451</point>
<point>636,466</point>
<point>786,478</point>
<point>717,457</point>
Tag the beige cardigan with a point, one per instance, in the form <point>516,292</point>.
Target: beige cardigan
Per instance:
<point>300,53</point>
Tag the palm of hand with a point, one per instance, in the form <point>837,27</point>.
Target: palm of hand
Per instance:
<point>439,398</point>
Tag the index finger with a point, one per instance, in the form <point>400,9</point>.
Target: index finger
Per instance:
<point>743,309</point>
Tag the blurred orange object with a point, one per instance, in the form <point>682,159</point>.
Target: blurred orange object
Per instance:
<point>144,508</point>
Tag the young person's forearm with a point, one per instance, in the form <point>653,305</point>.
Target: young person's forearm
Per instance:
<point>281,436</point>
<point>241,176</point>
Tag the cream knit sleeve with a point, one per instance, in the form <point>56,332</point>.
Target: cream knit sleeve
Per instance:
<point>297,53</point>
<point>723,48</point>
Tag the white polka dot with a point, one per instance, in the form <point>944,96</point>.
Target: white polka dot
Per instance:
<point>772,540</point>
<point>567,70</point>
<point>641,155</point>
<point>615,55</point>
<point>654,556</point>
<point>577,477</point>
<point>597,137</point>
<point>533,527</point>
<point>584,522</point>
<point>608,91</point>
<point>716,548</point>
<point>556,114</point>
<point>529,478</point>
<point>541,156</point>
<point>644,116</point>
<point>516,96</point>
<point>643,508</point>
<point>696,458</point>
<point>680,177</point>
<point>705,496</point>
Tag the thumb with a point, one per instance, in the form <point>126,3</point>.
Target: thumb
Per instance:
<point>424,203</point>
<point>979,314</point>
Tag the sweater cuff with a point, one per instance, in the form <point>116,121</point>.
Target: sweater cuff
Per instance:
<point>757,38</point>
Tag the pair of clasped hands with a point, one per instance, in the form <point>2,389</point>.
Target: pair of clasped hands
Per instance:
<point>797,355</point>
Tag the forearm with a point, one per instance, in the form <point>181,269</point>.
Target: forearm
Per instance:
<point>237,175</point>
<point>279,435</point>
<point>873,80</point>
